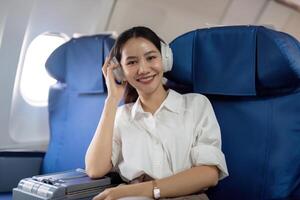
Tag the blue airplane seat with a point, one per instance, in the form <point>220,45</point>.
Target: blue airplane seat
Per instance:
<point>75,104</point>
<point>251,74</point>
<point>76,100</point>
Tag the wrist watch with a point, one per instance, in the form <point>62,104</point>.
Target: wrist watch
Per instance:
<point>156,190</point>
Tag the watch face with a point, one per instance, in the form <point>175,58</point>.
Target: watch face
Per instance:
<point>156,193</point>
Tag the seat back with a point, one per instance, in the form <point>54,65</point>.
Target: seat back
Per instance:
<point>251,75</point>
<point>76,100</point>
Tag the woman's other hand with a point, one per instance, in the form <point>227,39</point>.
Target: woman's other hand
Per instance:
<point>112,193</point>
<point>139,191</point>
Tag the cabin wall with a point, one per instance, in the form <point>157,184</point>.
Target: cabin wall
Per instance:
<point>21,22</point>
<point>171,18</point>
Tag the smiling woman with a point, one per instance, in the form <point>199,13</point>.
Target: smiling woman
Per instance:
<point>156,54</point>
<point>235,74</point>
<point>159,138</point>
<point>143,68</point>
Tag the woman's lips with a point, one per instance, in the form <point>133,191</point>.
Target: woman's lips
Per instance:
<point>146,79</point>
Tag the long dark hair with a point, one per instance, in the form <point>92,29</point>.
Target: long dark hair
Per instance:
<point>131,94</point>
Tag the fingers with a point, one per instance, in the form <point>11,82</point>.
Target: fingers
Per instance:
<point>104,195</point>
<point>105,66</point>
<point>108,67</point>
<point>99,197</point>
<point>109,72</point>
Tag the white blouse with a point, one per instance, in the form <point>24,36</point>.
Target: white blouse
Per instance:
<point>181,134</point>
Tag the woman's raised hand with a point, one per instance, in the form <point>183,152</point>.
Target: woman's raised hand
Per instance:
<point>115,91</point>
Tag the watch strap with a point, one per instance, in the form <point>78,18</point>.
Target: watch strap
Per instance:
<point>156,190</point>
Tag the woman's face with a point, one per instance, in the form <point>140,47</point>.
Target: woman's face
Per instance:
<point>142,65</point>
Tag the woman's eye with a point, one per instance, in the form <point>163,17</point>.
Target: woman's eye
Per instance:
<point>131,62</point>
<point>151,57</point>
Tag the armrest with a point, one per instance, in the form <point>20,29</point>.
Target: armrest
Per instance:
<point>72,184</point>
<point>17,164</point>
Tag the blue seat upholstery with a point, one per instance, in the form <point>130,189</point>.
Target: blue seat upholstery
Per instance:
<point>75,101</point>
<point>251,75</point>
<point>6,196</point>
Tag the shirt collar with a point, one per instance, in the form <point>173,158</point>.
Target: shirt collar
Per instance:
<point>173,102</point>
<point>136,108</point>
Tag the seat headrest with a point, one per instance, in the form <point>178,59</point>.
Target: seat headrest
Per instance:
<point>236,60</point>
<point>278,62</point>
<point>77,63</point>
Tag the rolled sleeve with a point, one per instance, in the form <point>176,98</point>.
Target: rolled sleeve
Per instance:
<point>206,149</point>
<point>209,155</point>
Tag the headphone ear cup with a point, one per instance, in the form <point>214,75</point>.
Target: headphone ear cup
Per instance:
<point>167,56</point>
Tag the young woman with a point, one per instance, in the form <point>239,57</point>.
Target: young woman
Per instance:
<point>164,144</point>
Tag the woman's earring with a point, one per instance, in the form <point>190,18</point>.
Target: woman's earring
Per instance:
<point>123,82</point>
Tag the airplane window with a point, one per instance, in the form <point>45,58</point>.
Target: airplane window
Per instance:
<point>35,81</point>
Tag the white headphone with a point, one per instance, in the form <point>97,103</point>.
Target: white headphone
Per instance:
<point>167,56</point>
